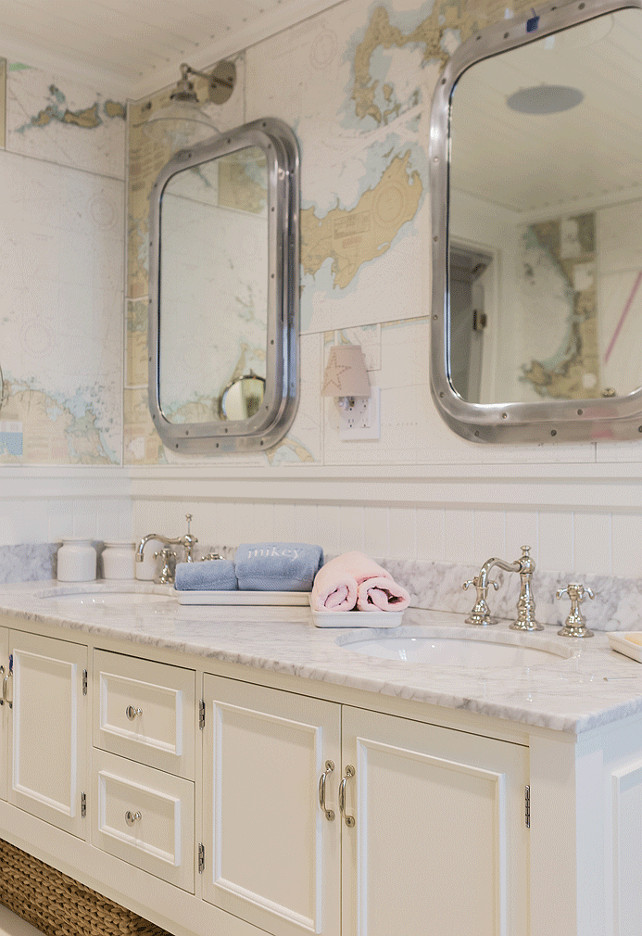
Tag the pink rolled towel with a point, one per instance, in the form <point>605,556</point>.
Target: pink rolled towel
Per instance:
<point>336,583</point>
<point>381,593</point>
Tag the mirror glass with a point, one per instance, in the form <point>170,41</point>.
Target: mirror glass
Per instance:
<point>213,282</point>
<point>223,323</point>
<point>539,146</point>
<point>545,192</point>
<point>242,397</point>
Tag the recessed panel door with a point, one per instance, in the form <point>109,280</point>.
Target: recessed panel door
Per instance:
<point>47,736</point>
<point>437,841</point>
<point>272,854</point>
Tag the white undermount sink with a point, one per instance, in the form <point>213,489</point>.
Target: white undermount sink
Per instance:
<point>106,596</point>
<point>442,646</point>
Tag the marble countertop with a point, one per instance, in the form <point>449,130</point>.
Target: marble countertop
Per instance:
<point>590,687</point>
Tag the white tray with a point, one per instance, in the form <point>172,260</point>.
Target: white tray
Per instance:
<point>357,618</point>
<point>627,642</point>
<point>242,597</point>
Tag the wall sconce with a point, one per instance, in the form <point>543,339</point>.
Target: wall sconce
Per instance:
<point>184,105</point>
<point>345,375</point>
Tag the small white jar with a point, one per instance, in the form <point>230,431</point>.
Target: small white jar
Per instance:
<point>118,560</point>
<point>76,561</point>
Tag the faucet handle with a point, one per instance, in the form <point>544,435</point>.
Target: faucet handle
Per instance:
<point>575,624</point>
<point>475,583</point>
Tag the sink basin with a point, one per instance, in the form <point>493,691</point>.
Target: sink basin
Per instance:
<point>447,647</point>
<point>105,598</point>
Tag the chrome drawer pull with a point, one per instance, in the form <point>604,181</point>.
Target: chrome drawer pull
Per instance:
<point>131,818</point>
<point>328,813</point>
<point>132,712</point>
<point>349,820</point>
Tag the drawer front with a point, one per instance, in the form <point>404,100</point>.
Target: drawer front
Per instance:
<point>145,711</point>
<point>145,817</point>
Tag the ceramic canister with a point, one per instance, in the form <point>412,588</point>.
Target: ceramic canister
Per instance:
<point>76,561</point>
<point>118,560</point>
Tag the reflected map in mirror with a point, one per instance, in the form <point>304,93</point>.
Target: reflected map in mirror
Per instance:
<point>213,283</point>
<point>545,224</point>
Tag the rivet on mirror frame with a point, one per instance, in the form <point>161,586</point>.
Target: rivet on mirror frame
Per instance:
<point>639,428</point>
<point>504,415</point>
<point>553,432</point>
<point>579,412</point>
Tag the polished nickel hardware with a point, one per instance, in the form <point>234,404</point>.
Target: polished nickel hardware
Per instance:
<point>349,772</point>
<point>133,817</point>
<point>328,813</point>
<point>187,541</point>
<point>201,714</point>
<point>575,624</point>
<point>525,566</point>
<point>201,857</point>
<point>273,147</point>
<point>133,712</point>
<point>480,615</point>
<point>5,687</point>
<point>84,682</point>
<point>83,805</point>
<point>527,806</point>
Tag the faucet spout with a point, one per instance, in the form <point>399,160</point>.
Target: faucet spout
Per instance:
<point>145,540</point>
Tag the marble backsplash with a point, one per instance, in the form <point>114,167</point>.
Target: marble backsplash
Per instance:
<point>433,586</point>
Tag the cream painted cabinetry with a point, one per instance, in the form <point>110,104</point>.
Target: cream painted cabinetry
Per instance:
<point>429,823</point>
<point>144,719</point>
<point>47,729</point>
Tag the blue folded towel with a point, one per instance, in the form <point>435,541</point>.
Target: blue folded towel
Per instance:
<point>211,575</point>
<point>277,566</point>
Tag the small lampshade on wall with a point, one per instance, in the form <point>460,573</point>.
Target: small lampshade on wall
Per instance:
<point>345,375</point>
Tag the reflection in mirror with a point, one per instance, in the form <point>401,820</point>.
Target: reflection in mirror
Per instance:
<point>542,267</point>
<point>242,397</point>
<point>224,292</point>
<point>213,282</point>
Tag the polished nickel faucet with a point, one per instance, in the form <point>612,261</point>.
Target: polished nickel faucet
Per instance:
<point>187,541</point>
<point>525,565</point>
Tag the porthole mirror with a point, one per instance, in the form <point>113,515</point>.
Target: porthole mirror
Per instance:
<point>536,182</point>
<point>223,308</point>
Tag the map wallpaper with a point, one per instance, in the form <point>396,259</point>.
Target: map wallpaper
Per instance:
<point>355,84</point>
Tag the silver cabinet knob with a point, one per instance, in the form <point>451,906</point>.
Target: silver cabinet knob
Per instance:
<point>133,712</point>
<point>133,817</point>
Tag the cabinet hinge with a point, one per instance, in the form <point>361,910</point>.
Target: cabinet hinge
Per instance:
<point>84,682</point>
<point>527,806</point>
<point>83,805</point>
<point>201,857</point>
<point>201,714</point>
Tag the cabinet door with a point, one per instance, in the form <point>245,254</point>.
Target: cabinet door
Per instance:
<point>4,711</point>
<point>439,844</point>
<point>272,856</point>
<point>48,738</point>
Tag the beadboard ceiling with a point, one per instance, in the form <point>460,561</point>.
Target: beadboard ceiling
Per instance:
<point>137,47</point>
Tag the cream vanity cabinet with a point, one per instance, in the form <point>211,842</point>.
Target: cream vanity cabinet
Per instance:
<point>143,765</point>
<point>45,714</point>
<point>325,818</point>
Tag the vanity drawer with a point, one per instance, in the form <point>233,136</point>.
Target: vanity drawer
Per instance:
<point>145,711</point>
<point>145,817</point>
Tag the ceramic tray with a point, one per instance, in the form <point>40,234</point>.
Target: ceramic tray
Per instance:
<point>242,597</point>
<point>627,642</point>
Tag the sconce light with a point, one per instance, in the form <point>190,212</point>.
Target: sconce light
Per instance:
<point>345,375</point>
<point>185,107</point>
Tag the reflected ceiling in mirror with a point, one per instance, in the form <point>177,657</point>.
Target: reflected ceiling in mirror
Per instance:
<point>224,290</point>
<point>537,311</point>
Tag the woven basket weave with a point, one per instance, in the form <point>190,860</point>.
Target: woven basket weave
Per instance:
<point>59,906</point>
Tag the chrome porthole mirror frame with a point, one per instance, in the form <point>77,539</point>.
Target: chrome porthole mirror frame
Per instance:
<point>270,423</point>
<point>613,418</point>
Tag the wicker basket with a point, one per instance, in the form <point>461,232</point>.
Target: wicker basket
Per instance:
<point>58,905</point>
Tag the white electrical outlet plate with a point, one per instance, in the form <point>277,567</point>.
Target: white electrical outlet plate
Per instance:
<point>362,420</point>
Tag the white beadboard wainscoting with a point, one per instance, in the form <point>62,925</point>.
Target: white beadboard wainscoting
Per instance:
<point>582,517</point>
